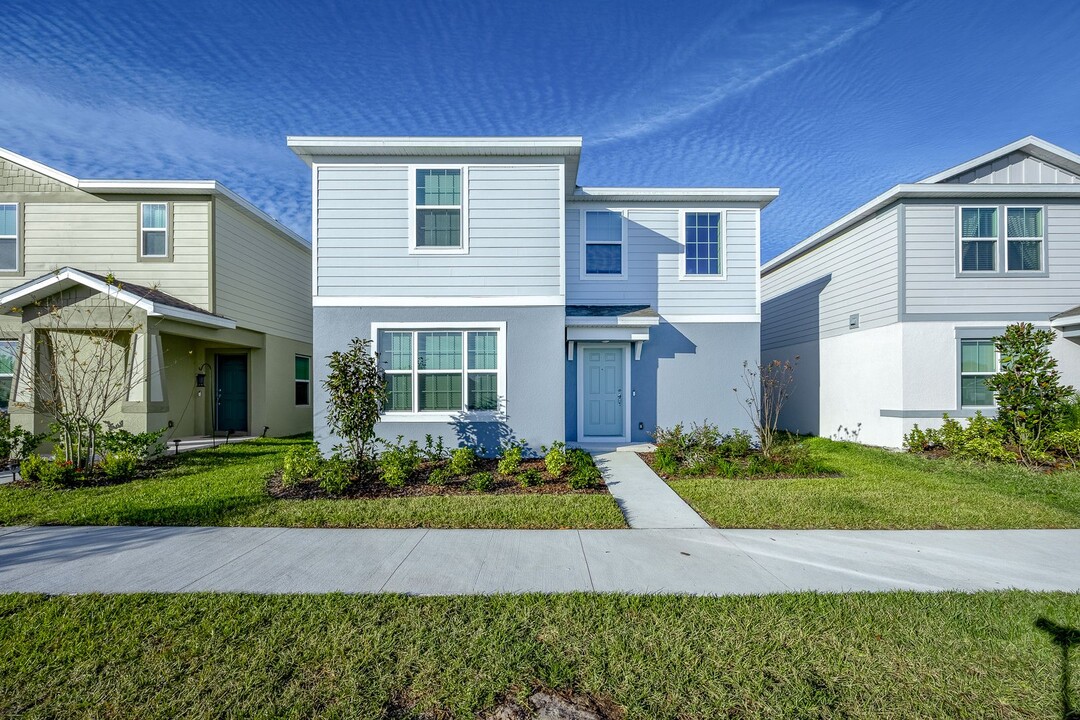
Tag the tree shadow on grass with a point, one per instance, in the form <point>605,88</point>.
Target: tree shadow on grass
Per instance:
<point>1065,638</point>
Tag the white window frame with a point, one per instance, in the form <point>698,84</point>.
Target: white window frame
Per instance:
<point>417,415</point>
<point>15,237</point>
<point>1042,239</point>
<point>584,242</point>
<point>298,380</point>
<point>722,275</point>
<point>960,240</point>
<point>961,374</point>
<point>143,230</point>
<point>14,369</point>
<point>463,208</point>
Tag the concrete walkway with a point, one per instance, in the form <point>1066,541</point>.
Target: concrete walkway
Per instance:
<point>646,501</point>
<point>450,562</point>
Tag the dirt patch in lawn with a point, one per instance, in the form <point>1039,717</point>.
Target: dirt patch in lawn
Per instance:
<point>372,486</point>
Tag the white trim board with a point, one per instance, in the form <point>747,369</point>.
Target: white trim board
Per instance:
<point>436,301</point>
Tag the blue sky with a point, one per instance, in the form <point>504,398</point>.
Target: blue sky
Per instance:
<point>833,102</point>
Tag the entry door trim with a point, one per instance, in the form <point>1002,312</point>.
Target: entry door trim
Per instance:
<point>627,394</point>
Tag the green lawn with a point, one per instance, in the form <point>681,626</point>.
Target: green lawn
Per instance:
<point>226,486</point>
<point>883,489</point>
<point>899,655</point>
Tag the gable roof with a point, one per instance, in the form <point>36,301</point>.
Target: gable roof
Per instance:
<point>936,187</point>
<point>155,187</point>
<point>153,301</point>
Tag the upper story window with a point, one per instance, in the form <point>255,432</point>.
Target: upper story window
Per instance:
<point>604,251</point>
<point>446,371</point>
<point>1024,238</point>
<point>978,239</point>
<point>438,209</point>
<point>9,237</point>
<point>978,361</point>
<point>703,241</point>
<point>154,230</point>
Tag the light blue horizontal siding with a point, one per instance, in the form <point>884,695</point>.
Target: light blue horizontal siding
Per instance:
<point>514,226</point>
<point>654,254</point>
<point>814,295</point>
<point>933,287</point>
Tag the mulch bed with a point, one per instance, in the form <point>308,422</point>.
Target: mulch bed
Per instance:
<point>371,486</point>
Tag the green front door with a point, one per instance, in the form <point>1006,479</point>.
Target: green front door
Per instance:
<point>232,393</point>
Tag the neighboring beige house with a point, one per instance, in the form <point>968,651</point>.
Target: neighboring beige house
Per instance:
<point>221,297</point>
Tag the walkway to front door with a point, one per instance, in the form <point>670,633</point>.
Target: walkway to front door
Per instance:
<point>645,499</point>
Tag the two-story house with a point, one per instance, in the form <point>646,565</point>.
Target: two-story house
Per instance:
<point>892,309</point>
<point>217,292</point>
<point>505,301</point>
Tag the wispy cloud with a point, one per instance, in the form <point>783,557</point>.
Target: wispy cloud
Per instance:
<point>721,65</point>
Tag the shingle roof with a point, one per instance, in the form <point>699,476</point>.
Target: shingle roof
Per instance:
<point>628,311</point>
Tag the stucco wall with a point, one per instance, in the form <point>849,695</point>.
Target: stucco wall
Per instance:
<point>534,371</point>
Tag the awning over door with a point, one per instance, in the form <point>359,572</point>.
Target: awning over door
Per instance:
<point>613,323</point>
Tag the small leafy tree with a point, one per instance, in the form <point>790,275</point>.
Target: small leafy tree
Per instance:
<point>356,389</point>
<point>1031,399</point>
<point>768,386</point>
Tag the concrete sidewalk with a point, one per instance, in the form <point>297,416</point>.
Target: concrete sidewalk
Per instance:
<point>646,501</point>
<point>451,562</point>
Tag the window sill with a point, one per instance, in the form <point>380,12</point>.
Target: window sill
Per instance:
<point>438,251</point>
<point>441,417</point>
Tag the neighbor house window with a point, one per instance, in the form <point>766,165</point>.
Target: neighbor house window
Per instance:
<point>438,208</point>
<point>978,239</point>
<point>302,377</point>
<point>1024,236</point>
<point>8,349</point>
<point>9,236</point>
<point>978,361</point>
<point>703,243</point>
<point>154,229</point>
<point>603,243</point>
<point>440,370</point>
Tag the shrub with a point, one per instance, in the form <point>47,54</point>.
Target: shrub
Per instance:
<point>356,392</point>
<point>439,476</point>
<point>335,475</point>
<point>481,482</point>
<point>583,471</point>
<point>983,439</point>
<point>555,458</point>
<point>119,465</point>
<point>462,461</point>
<point>1070,413</point>
<point>400,461</point>
<point>531,478</point>
<point>666,461</point>
<point>736,445</point>
<point>143,446</point>
<point>434,450</point>
<point>510,462</point>
<point>17,443</point>
<point>301,463</point>
<point>52,472</point>
<point>1065,444</point>
<point>1031,399</point>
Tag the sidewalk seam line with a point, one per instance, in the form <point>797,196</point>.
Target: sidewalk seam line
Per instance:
<point>588,570</point>
<point>753,559</point>
<point>280,532</point>
<point>382,588</point>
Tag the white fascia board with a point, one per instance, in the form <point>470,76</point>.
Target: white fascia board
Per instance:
<point>612,322</point>
<point>307,146</point>
<point>616,334</point>
<point>761,196</point>
<point>1032,145</point>
<point>38,167</point>
<point>436,301</point>
<point>947,191</point>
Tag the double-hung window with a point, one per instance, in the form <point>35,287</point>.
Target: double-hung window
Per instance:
<point>8,348</point>
<point>604,251</point>
<point>9,236</point>
<point>440,370</point>
<point>438,209</point>
<point>302,380</point>
<point>978,361</point>
<point>978,239</point>
<point>154,230</point>
<point>703,244</point>
<point>1024,238</point>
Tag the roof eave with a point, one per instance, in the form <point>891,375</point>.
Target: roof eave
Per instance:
<point>759,196</point>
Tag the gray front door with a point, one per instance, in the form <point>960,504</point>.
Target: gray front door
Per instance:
<point>603,391</point>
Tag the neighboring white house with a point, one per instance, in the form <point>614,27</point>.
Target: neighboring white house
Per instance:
<point>506,301</point>
<point>892,308</point>
<point>221,318</point>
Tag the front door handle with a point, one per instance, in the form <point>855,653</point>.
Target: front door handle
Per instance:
<point>620,397</point>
